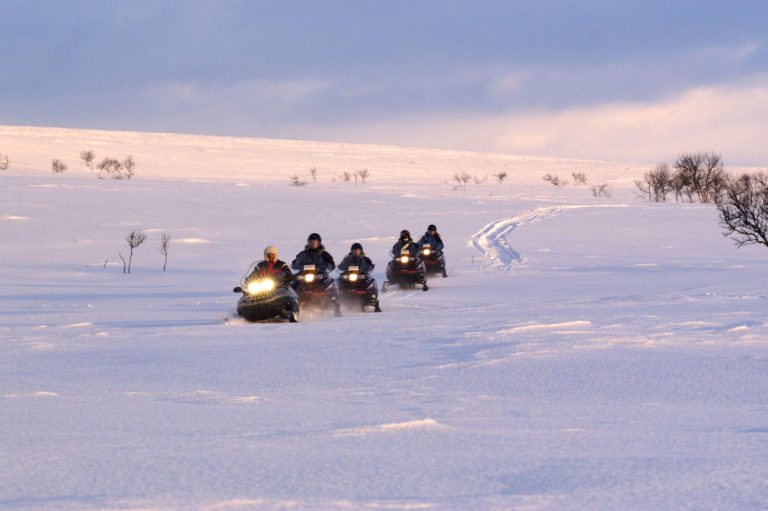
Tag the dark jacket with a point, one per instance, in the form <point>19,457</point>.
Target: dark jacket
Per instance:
<point>322,260</point>
<point>411,245</point>
<point>434,241</point>
<point>277,270</point>
<point>363,262</point>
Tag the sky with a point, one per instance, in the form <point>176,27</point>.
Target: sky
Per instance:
<point>628,80</point>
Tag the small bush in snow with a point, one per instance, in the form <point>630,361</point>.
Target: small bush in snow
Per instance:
<point>603,190</point>
<point>462,180</point>
<point>58,166</point>
<point>500,177</point>
<point>579,178</point>
<point>3,161</point>
<point>743,209</point>
<point>552,179</point>
<point>295,181</point>
<point>88,157</point>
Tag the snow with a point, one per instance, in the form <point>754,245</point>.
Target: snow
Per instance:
<point>583,353</point>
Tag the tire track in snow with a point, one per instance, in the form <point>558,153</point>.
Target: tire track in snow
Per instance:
<point>491,240</point>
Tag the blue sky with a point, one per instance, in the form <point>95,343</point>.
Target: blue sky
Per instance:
<point>630,80</point>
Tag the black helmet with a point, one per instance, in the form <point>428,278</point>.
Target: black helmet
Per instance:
<point>355,246</point>
<point>314,236</point>
<point>432,227</point>
<point>404,234</point>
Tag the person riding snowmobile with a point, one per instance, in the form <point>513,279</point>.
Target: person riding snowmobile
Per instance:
<point>271,267</point>
<point>357,257</point>
<point>405,242</point>
<point>432,238</point>
<point>314,253</point>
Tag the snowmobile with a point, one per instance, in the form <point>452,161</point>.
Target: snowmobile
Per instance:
<point>434,260</point>
<point>406,271</point>
<point>264,299</point>
<point>359,289</point>
<point>317,290</point>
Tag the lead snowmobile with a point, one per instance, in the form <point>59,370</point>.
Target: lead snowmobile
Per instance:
<point>266,299</point>
<point>359,289</point>
<point>406,271</point>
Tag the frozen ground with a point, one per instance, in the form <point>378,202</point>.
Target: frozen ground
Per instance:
<point>583,353</point>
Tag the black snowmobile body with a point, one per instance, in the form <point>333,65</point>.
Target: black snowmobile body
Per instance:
<point>317,290</point>
<point>434,260</point>
<point>406,271</point>
<point>358,289</point>
<point>267,300</point>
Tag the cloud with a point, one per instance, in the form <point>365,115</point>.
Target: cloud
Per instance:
<point>730,119</point>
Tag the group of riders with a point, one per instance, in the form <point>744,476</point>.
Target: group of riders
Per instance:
<point>314,265</point>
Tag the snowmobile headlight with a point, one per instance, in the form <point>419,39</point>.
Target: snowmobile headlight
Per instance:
<point>309,277</point>
<point>404,259</point>
<point>260,286</point>
<point>353,277</point>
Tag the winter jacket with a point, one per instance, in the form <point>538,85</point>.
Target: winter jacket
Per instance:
<point>322,260</point>
<point>277,270</point>
<point>411,245</point>
<point>434,241</point>
<point>363,262</point>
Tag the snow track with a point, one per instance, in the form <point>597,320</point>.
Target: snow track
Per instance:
<point>491,240</point>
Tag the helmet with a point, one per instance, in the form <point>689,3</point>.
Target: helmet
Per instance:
<point>270,250</point>
<point>356,246</point>
<point>315,236</point>
<point>404,234</point>
<point>431,227</point>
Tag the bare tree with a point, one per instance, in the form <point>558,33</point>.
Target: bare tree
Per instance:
<point>88,157</point>
<point>655,184</point>
<point>313,171</point>
<point>364,174</point>
<point>500,177</point>
<point>58,166</point>
<point>462,180</point>
<point>579,178</point>
<point>295,181</point>
<point>164,242</point>
<point>744,210</point>
<point>129,164</point>
<point>704,175</point>
<point>134,239</point>
<point>3,161</point>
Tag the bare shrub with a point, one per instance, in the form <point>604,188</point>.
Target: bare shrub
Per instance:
<point>134,239</point>
<point>500,177</point>
<point>295,181</point>
<point>462,180</point>
<point>603,190</point>
<point>743,209</point>
<point>579,178</point>
<point>656,184</point>
<point>88,157</point>
<point>164,242</point>
<point>129,164</point>
<point>552,179</point>
<point>702,174</point>
<point>364,174</point>
<point>58,166</point>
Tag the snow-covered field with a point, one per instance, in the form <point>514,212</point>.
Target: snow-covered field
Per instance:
<point>584,353</point>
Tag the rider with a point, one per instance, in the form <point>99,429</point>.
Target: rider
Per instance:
<point>314,253</point>
<point>432,238</point>
<point>405,242</point>
<point>271,267</point>
<point>357,257</point>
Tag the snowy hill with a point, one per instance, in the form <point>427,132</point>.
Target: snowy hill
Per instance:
<point>584,353</point>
